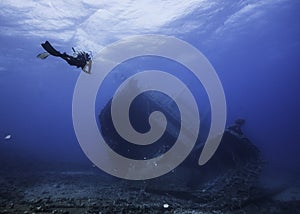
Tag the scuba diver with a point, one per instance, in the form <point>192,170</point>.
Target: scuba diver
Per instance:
<point>236,128</point>
<point>80,59</point>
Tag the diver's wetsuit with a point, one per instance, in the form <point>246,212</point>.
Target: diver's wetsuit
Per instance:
<point>79,61</point>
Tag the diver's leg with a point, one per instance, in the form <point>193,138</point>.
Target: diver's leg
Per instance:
<point>69,59</point>
<point>50,49</point>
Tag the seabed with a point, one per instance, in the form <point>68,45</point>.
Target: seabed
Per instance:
<point>91,191</point>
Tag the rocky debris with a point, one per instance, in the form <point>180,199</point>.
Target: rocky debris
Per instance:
<point>235,190</point>
<point>232,190</point>
<point>127,206</point>
<point>218,196</point>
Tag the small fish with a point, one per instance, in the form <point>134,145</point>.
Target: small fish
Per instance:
<point>7,137</point>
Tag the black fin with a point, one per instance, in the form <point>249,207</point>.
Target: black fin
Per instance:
<point>43,55</point>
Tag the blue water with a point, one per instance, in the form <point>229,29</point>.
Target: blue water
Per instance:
<point>256,56</point>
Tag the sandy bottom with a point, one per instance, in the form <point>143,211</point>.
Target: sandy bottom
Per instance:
<point>94,192</point>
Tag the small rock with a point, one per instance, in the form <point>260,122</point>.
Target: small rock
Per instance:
<point>56,186</point>
<point>11,205</point>
<point>39,209</point>
<point>166,206</point>
<point>38,201</point>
